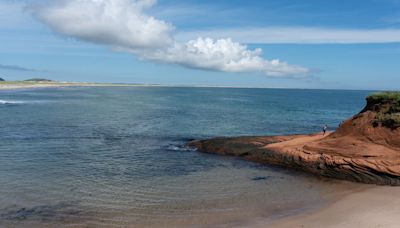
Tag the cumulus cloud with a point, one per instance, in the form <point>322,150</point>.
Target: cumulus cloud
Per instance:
<point>119,23</point>
<point>222,55</point>
<point>125,25</point>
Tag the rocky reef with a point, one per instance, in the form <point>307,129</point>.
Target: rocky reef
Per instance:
<point>365,148</point>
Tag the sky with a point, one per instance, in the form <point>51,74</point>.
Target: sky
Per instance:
<point>330,44</point>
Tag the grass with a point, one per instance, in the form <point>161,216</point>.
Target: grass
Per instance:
<point>385,97</point>
<point>389,120</point>
<point>387,105</point>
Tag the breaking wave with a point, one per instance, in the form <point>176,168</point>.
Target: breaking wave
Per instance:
<point>6,102</point>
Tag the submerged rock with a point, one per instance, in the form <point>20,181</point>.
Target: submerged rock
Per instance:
<point>365,148</point>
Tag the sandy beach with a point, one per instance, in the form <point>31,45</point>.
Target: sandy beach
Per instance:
<point>378,206</point>
<point>12,86</point>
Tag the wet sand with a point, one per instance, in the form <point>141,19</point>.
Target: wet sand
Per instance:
<point>373,207</point>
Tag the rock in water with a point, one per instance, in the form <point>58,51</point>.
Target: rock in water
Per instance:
<point>365,148</point>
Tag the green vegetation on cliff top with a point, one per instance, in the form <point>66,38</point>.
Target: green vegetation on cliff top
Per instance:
<point>387,106</point>
<point>385,97</point>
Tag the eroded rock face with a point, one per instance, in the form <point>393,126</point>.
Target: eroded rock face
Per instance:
<point>360,150</point>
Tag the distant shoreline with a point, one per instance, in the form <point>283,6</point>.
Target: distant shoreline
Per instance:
<point>16,85</point>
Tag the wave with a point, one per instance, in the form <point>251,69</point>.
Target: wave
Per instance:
<point>182,148</point>
<point>5,102</point>
<point>18,102</point>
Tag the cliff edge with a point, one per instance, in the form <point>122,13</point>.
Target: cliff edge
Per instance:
<point>365,148</point>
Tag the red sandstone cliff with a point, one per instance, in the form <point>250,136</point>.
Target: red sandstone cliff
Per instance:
<point>366,148</point>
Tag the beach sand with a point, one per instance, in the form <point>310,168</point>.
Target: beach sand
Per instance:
<point>34,85</point>
<point>377,206</point>
<point>11,86</point>
<point>370,206</point>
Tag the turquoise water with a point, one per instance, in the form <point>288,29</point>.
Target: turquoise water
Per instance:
<point>114,156</point>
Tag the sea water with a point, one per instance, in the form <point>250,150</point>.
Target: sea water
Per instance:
<point>115,156</point>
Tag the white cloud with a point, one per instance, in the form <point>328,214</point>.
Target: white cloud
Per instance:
<point>119,23</point>
<point>125,26</point>
<point>299,35</point>
<point>222,55</point>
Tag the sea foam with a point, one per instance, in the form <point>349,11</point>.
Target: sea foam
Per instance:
<point>6,102</point>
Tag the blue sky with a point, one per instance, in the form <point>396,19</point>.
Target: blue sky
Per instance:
<point>332,44</point>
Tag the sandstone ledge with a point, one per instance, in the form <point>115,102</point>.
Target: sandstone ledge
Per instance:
<point>287,151</point>
<point>364,149</point>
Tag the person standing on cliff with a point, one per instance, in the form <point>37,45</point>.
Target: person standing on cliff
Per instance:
<point>324,129</point>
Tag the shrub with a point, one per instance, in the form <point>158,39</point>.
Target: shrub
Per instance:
<point>387,106</point>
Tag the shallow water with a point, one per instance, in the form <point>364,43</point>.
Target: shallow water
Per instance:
<point>114,157</point>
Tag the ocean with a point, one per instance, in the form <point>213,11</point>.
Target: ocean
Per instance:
<point>116,156</point>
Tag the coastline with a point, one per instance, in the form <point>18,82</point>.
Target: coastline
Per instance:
<point>363,149</point>
<point>351,209</point>
<point>38,85</point>
<point>10,85</point>
<point>363,205</point>
<point>338,155</point>
<point>376,206</point>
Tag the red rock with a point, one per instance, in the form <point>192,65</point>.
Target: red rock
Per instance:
<point>362,150</point>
